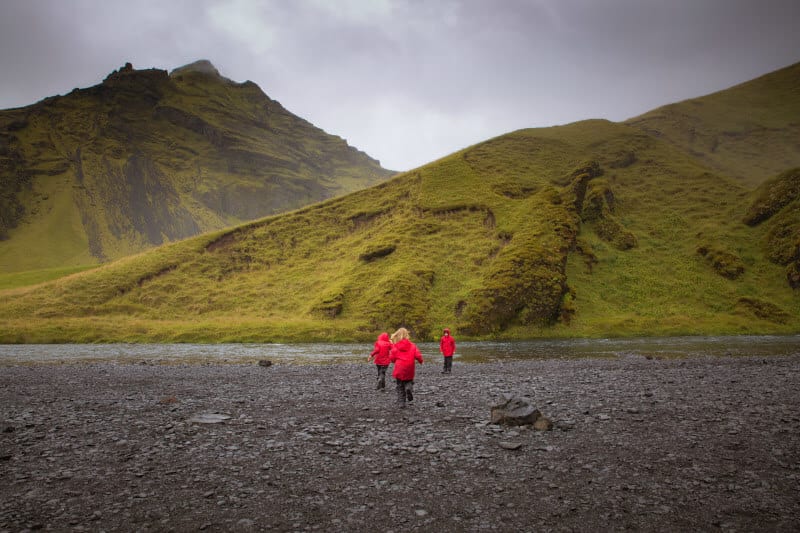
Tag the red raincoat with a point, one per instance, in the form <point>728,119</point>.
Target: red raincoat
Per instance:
<point>447,345</point>
<point>381,350</point>
<point>404,354</point>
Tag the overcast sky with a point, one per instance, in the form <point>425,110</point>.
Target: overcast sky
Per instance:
<point>410,81</point>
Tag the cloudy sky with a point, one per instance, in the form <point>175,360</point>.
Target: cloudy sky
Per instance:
<point>409,81</point>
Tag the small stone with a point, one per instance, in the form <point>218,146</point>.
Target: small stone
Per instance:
<point>209,418</point>
<point>543,424</point>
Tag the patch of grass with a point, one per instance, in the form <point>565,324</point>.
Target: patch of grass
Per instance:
<point>34,277</point>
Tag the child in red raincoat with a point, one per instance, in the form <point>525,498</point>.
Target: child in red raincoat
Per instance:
<point>380,353</point>
<point>447,345</point>
<point>404,355</point>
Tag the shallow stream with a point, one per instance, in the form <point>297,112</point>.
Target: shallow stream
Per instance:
<point>466,351</point>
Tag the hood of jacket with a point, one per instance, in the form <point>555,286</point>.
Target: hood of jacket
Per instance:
<point>383,337</point>
<point>404,345</point>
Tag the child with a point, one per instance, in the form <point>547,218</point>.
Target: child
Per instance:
<point>404,355</point>
<point>447,345</point>
<point>381,355</point>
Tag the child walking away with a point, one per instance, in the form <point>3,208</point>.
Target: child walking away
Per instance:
<point>380,353</point>
<point>447,345</point>
<point>404,355</point>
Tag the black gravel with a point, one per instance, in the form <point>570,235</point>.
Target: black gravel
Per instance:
<point>638,444</point>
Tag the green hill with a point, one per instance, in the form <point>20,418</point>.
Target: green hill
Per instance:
<point>148,157</point>
<point>749,132</point>
<point>589,229</point>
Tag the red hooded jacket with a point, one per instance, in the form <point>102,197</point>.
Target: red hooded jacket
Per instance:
<point>447,345</point>
<point>403,355</point>
<point>381,350</point>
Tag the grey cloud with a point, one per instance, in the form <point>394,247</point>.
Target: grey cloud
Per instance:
<point>409,81</point>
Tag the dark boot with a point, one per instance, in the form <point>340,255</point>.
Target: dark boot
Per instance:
<point>410,391</point>
<point>401,394</point>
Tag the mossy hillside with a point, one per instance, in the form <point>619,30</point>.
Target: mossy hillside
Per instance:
<point>460,246</point>
<point>776,205</point>
<point>427,249</point>
<point>748,132</point>
<point>146,158</point>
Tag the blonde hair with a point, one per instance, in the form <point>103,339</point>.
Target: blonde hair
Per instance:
<point>400,334</point>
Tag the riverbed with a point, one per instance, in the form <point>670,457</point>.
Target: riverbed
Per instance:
<point>639,442</point>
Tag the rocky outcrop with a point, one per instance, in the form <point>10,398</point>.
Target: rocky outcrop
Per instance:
<point>777,205</point>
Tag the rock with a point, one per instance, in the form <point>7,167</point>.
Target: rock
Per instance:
<point>515,412</point>
<point>209,418</point>
<point>543,424</point>
<point>566,425</point>
<point>510,445</point>
<point>265,363</point>
<point>245,523</point>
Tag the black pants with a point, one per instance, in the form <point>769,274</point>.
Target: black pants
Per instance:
<point>448,364</point>
<point>381,376</point>
<point>405,391</point>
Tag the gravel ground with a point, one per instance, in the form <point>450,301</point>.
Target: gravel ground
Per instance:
<point>642,444</point>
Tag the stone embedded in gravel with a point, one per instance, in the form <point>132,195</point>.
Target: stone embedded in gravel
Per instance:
<point>514,412</point>
<point>209,418</point>
<point>543,424</point>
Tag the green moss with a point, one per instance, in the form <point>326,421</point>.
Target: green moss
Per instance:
<point>793,274</point>
<point>376,251</point>
<point>597,212</point>
<point>526,281</point>
<point>403,299</point>
<point>724,263</point>
<point>782,240</point>
<point>329,305</point>
<point>773,196</point>
<point>762,309</point>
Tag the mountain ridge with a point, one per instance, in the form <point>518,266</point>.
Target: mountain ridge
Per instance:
<point>147,157</point>
<point>737,131</point>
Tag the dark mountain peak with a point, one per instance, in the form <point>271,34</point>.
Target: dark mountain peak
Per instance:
<point>203,66</point>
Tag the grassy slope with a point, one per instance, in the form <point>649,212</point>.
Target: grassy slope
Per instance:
<point>749,132</point>
<point>516,237</point>
<point>282,278</point>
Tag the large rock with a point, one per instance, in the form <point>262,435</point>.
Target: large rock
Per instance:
<point>515,412</point>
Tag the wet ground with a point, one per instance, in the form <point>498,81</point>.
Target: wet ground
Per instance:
<point>701,443</point>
